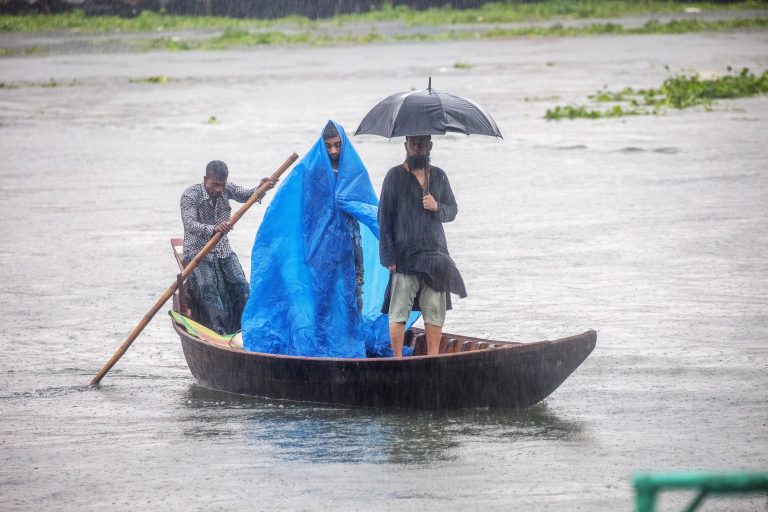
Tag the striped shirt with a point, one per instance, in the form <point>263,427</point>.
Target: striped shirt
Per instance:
<point>200,214</point>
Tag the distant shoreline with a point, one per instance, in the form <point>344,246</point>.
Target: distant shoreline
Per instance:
<point>488,14</point>
<point>75,32</point>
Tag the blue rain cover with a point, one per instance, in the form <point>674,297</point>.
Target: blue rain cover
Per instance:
<point>302,299</point>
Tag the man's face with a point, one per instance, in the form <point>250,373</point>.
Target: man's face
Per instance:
<point>417,151</point>
<point>421,145</point>
<point>333,146</point>
<point>214,186</point>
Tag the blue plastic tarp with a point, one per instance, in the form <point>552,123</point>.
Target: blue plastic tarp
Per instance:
<point>303,296</point>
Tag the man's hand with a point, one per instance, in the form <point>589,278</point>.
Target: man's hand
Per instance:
<point>270,187</point>
<point>223,228</point>
<point>429,203</point>
<point>392,268</point>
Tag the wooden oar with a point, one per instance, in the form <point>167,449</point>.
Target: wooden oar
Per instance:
<point>188,270</point>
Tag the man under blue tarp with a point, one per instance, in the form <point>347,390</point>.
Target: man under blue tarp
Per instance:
<point>305,270</point>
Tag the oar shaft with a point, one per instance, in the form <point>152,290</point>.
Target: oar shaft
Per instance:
<point>188,270</point>
<point>134,334</point>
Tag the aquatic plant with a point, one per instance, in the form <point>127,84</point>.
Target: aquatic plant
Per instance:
<point>25,50</point>
<point>541,98</point>
<point>159,79</point>
<point>680,91</point>
<point>686,91</point>
<point>51,83</point>
<point>573,112</point>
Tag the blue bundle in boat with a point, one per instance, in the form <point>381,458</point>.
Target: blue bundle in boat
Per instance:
<point>303,284</point>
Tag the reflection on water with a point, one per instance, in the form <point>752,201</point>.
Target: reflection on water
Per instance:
<point>316,434</point>
<point>663,150</point>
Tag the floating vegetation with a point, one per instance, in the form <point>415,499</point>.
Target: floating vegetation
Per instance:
<point>462,65</point>
<point>159,79</point>
<point>51,83</point>
<point>571,112</point>
<point>24,50</point>
<point>212,120</point>
<point>528,99</point>
<point>678,92</point>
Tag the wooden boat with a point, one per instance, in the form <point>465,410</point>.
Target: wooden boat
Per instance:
<point>467,372</point>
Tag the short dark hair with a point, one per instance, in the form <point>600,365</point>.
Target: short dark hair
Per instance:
<point>216,169</point>
<point>330,131</point>
<point>429,137</point>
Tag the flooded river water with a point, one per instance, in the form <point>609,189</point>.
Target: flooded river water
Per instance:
<point>651,230</point>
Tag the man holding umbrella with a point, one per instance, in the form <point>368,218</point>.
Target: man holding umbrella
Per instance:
<point>416,199</point>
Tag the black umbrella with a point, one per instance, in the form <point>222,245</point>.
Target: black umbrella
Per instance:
<point>427,112</point>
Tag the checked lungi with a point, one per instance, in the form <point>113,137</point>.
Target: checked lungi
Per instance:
<point>218,292</point>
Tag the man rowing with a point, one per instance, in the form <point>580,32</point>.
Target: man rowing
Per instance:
<point>218,286</point>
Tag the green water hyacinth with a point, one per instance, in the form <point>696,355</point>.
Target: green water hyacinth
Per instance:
<point>679,92</point>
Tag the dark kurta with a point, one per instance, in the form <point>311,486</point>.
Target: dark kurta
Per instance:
<point>412,237</point>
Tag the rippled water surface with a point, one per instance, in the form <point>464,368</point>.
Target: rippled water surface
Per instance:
<point>651,230</point>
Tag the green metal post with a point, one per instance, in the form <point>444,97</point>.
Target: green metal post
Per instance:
<point>648,485</point>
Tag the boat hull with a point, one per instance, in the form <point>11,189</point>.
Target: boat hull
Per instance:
<point>511,375</point>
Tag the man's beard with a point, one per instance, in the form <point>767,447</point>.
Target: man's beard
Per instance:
<point>417,161</point>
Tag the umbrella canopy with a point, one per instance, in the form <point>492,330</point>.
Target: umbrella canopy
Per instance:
<point>427,112</point>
